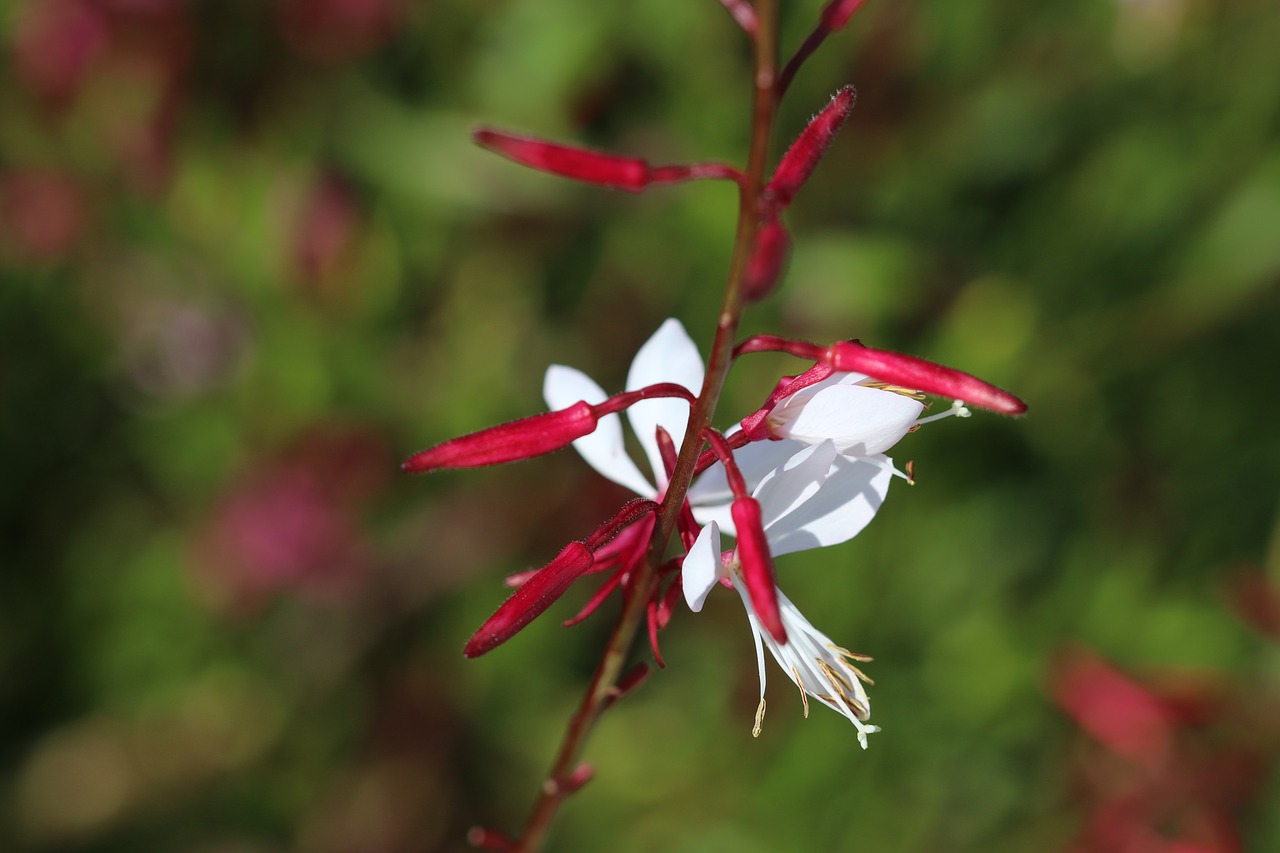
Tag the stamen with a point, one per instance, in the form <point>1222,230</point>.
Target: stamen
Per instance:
<point>836,677</point>
<point>755,730</point>
<point>957,409</point>
<point>804,698</point>
<point>895,389</point>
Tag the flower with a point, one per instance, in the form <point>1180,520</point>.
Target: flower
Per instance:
<point>669,356</point>
<point>797,513</point>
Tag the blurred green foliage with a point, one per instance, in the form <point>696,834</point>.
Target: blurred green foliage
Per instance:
<point>249,260</point>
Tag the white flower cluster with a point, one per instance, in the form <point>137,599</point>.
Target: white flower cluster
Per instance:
<point>819,483</point>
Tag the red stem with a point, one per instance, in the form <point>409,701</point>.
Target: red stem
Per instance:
<point>604,681</point>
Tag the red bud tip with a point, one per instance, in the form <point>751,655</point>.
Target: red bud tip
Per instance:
<point>838,12</point>
<point>522,439</point>
<point>911,372</point>
<point>768,256</point>
<point>580,164</point>
<point>530,600</point>
<point>803,155</point>
<point>631,512</point>
<point>757,566</point>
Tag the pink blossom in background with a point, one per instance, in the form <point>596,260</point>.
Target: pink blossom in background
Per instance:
<point>291,525</point>
<point>1177,764</point>
<point>54,43</point>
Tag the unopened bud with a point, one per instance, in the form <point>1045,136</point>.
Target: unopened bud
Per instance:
<point>522,439</point>
<point>757,566</point>
<point>910,372</point>
<point>531,599</point>
<point>580,164</point>
<point>838,12</point>
<point>768,257</point>
<point>802,157</point>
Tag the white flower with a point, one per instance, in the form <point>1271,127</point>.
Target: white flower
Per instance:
<point>818,666</point>
<point>670,355</point>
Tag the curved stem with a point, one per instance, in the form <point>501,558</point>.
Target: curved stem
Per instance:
<point>645,583</point>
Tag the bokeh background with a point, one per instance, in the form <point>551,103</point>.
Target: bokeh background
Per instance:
<point>249,261</point>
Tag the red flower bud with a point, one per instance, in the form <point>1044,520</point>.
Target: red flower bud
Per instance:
<point>802,157</point>
<point>530,600</point>
<point>838,12</point>
<point>580,164</point>
<point>522,439</point>
<point>767,258</point>
<point>596,167</point>
<point>757,566</point>
<point>916,373</point>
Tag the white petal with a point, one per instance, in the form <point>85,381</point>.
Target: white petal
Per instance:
<point>702,567</point>
<point>862,421</point>
<point>795,482</point>
<point>755,461</point>
<point>849,498</point>
<point>720,513</point>
<point>669,356</point>
<point>604,449</point>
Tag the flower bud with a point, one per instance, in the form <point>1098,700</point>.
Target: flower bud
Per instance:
<point>838,12</point>
<point>802,157</point>
<point>916,373</point>
<point>767,258</point>
<point>757,566</point>
<point>580,164</point>
<point>530,600</point>
<point>522,439</point>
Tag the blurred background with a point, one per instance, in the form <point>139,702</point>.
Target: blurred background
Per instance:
<point>249,261</point>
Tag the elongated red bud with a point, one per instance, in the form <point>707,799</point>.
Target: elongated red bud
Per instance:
<point>580,164</point>
<point>768,257</point>
<point>802,157</point>
<point>838,12</point>
<point>522,439</point>
<point>757,566</point>
<point>910,372</point>
<point>530,600</point>
<point>594,167</point>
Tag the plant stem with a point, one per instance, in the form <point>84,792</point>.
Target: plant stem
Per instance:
<point>645,582</point>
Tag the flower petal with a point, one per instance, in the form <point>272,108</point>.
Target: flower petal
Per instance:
<point>848,499</point>
<point>702,567</point>
<point>794,482</point>
<point>603,449</point>
<point>755,460</point>
<point>860,420</point>
<point>670,355</point>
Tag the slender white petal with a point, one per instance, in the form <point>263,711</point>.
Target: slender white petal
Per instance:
<point>669,356</point>
<point>846,503</point>
<point>603,449</point>
<point>861,421</point>
<point>702,567</point>
<point>818,666</point>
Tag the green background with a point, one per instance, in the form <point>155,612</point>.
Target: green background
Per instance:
<point>249,260</point>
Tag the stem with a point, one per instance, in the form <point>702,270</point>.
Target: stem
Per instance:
<point>645,582</point>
